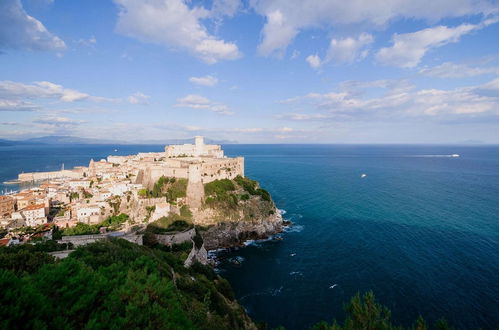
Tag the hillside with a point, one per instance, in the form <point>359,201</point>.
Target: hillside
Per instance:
<point>113,284</point>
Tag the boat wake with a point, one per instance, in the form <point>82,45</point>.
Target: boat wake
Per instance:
<point>435,156</point>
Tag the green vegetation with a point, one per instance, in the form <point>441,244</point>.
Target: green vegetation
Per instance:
<point>111,223</point>
<point>219,187</point>
<point>221,192</point>
<point>251,187</point>
<point>363,312</point>
<point>115,284</point>
<point>171,223</point>
<point>74,196</point>
<point>185,212</point>
<point>171,188</point>
<point>81,229</point>
<point>114,222</point>
<point>227,193</point>
<point>86,194</point>
<point>115,203</point>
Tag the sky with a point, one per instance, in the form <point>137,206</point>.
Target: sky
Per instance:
<point>251,71</point>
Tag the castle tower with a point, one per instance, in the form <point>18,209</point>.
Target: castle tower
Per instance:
<point>199,145</point>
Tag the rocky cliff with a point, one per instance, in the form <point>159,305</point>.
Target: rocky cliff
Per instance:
<point>235,211</point>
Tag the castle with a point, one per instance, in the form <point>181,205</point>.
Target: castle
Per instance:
<point>199,163</point>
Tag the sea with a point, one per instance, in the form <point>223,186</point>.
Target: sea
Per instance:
<point>414,225</point>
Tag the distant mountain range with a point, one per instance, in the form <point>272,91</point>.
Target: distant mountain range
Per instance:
<point>54,139</point>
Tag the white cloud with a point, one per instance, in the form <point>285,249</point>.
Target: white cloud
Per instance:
<point>138,98</point>
<point>40,89</point>
<point>172,23</point>
<point>455,70</point>
<point>209,81</point>
<point>90,42</point>
<point>16,96</point>
<point>409,48</point>
<point>18,30</point>
<point>492,85</point>
<point>400,100</point>
<point>286,18</point>
<point>349,50</point>
<point>277,34</point>
<point>200,102</point>
<point>314,61</point>
<point>345,50</point>
<point>16,105</point>
<point>222,8</point>
<point>58,121</point>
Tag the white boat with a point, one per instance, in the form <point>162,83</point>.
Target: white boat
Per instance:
<point>454,155</point>
<point>363,175</point>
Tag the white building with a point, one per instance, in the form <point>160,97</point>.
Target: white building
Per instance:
<point>199,149</point>
<point>34,215</point>
<point>88,213</point>
<point>74,184</point>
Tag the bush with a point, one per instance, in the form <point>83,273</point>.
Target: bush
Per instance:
<point>247,184</point>
<point>185,212</point>
<point>81,229</point>
<point>171,223</point>
<point>221,191</point>
<point>219,187</point>
<point>114,222</point>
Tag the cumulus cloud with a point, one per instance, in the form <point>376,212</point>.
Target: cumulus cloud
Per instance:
<point>18,30</point>
<point>314,61</point>
<point>138,98</point>
<point>409,48</point>
<point>200,102</point>
<point>286,18</point>
<point>344,50</point>
<point>456,70</point>
<point>400,100</point>
<point>173,24</point>
<point>349,50</point>
<point>209,81</point>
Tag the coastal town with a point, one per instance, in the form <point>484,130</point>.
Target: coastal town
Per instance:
<point>118,185</point>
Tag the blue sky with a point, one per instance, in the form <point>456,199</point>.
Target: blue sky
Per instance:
<point>262,71</point>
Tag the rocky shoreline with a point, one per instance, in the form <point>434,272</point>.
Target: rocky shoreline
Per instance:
<point>235,233</point>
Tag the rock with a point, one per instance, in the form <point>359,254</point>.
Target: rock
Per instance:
<point>235,233</point>
<point>197,255</point>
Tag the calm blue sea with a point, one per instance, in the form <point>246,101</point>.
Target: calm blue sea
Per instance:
<point>420,230</point>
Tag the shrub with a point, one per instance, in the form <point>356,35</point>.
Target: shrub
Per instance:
<point>219,187</point>
<point>81,229</point>
<point>185,212</point>
<point>114,222</point>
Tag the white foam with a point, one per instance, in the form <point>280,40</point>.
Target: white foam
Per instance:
<point>294,229</point>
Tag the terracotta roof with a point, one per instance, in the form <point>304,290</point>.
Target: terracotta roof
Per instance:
<point>6,198</point>
<point>34,207</point>
<point>4,241</point>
